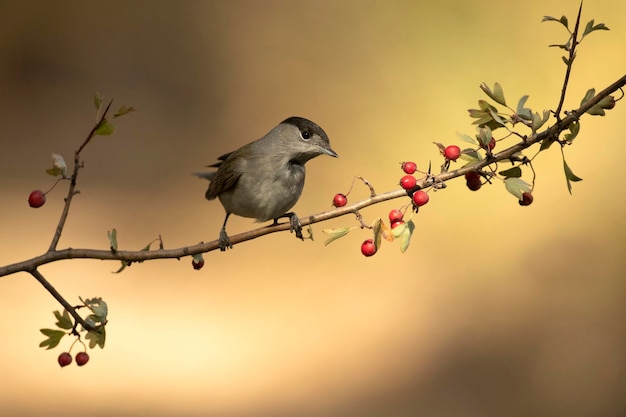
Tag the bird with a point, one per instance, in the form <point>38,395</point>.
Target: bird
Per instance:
<point>264,179</point>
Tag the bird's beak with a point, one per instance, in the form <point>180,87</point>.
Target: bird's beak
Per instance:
<point>329,152</point>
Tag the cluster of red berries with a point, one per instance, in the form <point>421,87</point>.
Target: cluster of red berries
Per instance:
<point>409,182</point>
<point>37,199</point>
<point>65,359</point>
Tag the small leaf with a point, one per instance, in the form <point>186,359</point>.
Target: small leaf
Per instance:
<point>566,61</point>
<point>470,155</point>
<point>104,128</point>
<point>517,186</point>
<point>546,143</point>
<point>590,27</point>
<point>123,111</point>
<point>335,234</point>
<point>515,172</point>
<point>574,128</point>
<point>588,96</point>
<point>496,95</point>
<point>96,338</point>
<point>540,120</point>
<point>466,138</point>
<point>97,100</point>
<point>58,166</point>
<point>569,176</point>
<point>53,338</point>
<point>64,321</point>
<point>113,239</point>
<point>523,112</point>
<point>377,233</point>
<point>404,232</point>
<point>124,265</point>
<point>484,136</point>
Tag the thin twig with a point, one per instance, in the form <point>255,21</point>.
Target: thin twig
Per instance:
<point>43,281</point>
<point>570,62</point>
<point>72,189</point>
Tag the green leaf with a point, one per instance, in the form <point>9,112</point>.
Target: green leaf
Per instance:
<point>123,267</point>
<point>569,176</point>
<point>540,120</point>
<point>515,172</point>
<point>562,20</point>
<point>607,102</point>
<point>123,111</point>
<point>591,93</point>
<point>378,229</point>
<point>113,239</point>
<point>590,27</point>
<point>98,307</point>
<point>104,128</point>
<point>53,338</point>
<point>64,321</point>
<point>470,155</point>
<point>484,136</point>
<point>96,338</point>
<point>517,186</point>
<point>574,128</point>
<point>58,166</point>
<point>404,233</point>
<point>336,234</point>
<point>496,95</point>
<point>523,112</point>
<point>546,143</point>
<point>466,138</point>
<point>97,100</point>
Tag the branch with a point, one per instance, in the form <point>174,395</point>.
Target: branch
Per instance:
<point>570,62</point>
<point>71,192</point>
<point>43,281</point>
<point>139,256</point>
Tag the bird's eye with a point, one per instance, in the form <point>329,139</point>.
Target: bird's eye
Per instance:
<point>306,135</point>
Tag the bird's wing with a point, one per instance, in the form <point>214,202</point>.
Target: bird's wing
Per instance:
<point>225,178</point>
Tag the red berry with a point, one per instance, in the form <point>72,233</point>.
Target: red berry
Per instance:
<point>368,248</point>
<point>395,215</point>
<point>407,182</point>
<point>82,358</point>
<point>526,200</point>
<point>64,359</point>
<point>420,198</point>
<point>409,167</point>
<point>396,223</point>
<point>452,152</point>
<point>197,264</point>
<point>474,185</point>
<point>36,199</point>
<point>473,180</point>
<point>340,200</point>
<point>492,143</point>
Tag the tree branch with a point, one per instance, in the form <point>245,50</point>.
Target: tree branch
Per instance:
<point>71,192</point>
<point>53,255</point>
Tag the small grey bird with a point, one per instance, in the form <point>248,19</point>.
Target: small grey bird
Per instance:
<point>264,179</point>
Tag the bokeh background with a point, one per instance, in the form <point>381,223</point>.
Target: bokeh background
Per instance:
<point>494,310</point>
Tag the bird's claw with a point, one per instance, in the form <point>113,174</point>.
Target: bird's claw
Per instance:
<point>224,241</point>
<point>295,225</point>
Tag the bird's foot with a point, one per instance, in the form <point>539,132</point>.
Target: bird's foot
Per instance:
<point>224,241</point>
<point>295,225</point>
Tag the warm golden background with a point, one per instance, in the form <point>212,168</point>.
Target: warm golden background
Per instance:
<point>495,310</point>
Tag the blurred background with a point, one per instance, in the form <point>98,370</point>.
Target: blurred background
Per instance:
<point>495,309</point>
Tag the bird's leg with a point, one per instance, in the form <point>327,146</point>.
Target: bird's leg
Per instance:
<point>294,223</point>
<point>224,241</point>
